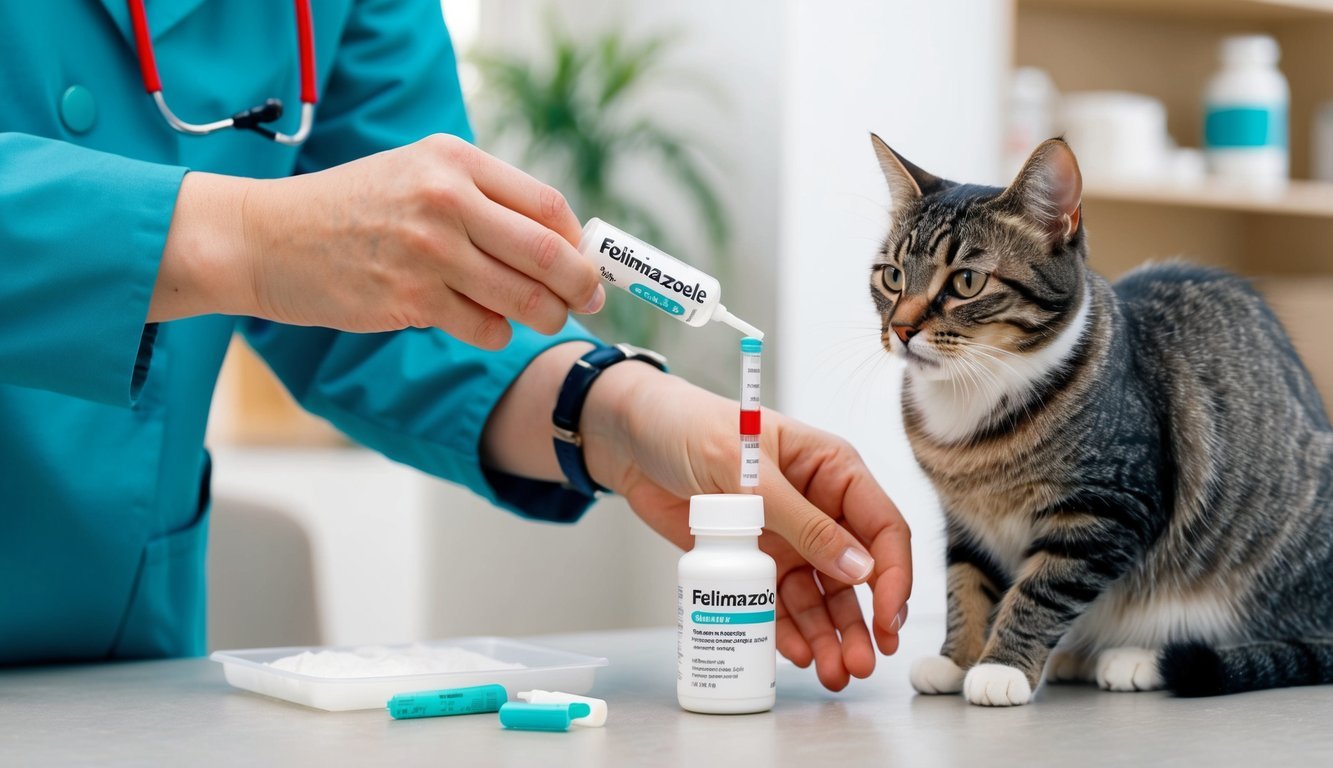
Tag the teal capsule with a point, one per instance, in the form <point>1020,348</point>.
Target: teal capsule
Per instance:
<point>450,701</point>
<point>542,717</point>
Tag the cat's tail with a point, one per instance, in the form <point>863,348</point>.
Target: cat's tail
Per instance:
<point>1195,669</point>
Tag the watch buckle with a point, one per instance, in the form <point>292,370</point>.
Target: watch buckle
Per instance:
<point>568,436</point>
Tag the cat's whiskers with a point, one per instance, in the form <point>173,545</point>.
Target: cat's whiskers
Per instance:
<point>862,376</point>
<point>986,351</point>
<point>981,380</point>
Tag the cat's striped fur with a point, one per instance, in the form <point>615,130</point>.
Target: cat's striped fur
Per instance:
<point>1140,473</point>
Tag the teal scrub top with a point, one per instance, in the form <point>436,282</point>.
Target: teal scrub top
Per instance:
<point>103,472</point>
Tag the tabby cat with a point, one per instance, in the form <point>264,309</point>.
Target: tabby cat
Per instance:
<point>1137,479</point>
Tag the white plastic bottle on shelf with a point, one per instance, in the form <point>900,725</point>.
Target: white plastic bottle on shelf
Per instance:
<point>1245,114</point>
<point>1029,116</point>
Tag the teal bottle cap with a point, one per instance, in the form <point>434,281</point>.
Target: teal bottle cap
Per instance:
<point>751,345</point>
<point>541,717</point>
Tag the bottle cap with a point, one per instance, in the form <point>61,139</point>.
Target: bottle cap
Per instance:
<point>751,346</point>
<point>596,718</point>
<point>541,717</point>
<point>1250,49</point>
<point>734,514</point>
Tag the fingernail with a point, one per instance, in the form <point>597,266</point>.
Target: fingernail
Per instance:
<point>855,565</point>
<point>898,620</point>
<point>598,299</point>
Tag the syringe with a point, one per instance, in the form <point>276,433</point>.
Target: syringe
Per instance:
<point>751,348</point>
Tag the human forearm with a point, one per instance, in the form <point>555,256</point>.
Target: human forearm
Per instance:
<point>204,265</point>
<point>517,438</point>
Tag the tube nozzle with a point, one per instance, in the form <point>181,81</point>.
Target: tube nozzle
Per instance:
<point>721,314</point>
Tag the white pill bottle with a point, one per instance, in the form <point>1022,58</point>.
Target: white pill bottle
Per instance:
<point>726,653</point>
<point>1245,114</point>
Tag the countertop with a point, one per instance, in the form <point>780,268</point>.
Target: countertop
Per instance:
<point>181,712</point>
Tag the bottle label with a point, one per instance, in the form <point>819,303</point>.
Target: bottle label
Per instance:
<point>750,372</point>
<point>725,642</point>
<point>657,300</point>
<point>650,275</point>
<point>1237,127</point>
<point>750,457</point>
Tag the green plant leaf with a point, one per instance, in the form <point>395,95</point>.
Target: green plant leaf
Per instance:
<point>570,103</point>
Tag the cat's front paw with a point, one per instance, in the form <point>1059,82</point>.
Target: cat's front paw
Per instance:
<point>936,674</point>
<point>1128,669</point>
<point>996,685</point>
<point>1066,666</point>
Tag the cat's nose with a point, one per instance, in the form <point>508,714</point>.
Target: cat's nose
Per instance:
<point>905,332</point>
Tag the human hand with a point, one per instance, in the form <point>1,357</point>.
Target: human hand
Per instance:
<point>657,440</point>
<point>433,234</point>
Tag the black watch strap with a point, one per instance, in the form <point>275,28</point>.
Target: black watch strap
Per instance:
<point>569,409</point>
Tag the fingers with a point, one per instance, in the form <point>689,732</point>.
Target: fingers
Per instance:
<point>541,253</point>
<point>790,642</point>
<point>470,322</point>
<point>892,586</point>
<point>890,540</point>
<point>817,537</point>
<point>858,655</point>
<point>519,192</point>
<point>805,605</point>
<point>506,291</point>
<point>507,185</point>
<point>842,484</point>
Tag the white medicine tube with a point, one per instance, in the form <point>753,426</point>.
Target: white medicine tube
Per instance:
<point>750,409</point>
<point>672,286</point>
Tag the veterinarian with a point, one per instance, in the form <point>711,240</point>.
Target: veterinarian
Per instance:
<point>403,285</point>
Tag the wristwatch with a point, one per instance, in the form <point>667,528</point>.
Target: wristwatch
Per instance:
<point>569,409</point>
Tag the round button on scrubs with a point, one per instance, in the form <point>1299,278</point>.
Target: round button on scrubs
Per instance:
<point>78,110</point>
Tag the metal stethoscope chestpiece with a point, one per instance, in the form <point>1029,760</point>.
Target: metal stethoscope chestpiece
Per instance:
<point>252,119</point>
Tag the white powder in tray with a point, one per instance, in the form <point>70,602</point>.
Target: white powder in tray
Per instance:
<point>382,661</point>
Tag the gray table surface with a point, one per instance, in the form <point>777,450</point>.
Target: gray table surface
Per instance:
<point>182,713</point>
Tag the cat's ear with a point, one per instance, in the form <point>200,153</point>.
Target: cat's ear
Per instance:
<point>1049,190</point>
<point>906,181</point>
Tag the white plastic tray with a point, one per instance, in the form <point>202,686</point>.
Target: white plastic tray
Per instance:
<point>545,668</point>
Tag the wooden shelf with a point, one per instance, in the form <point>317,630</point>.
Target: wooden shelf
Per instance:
<point>1246,10</point>
<point>1299,198</point>
<point>1168,49</point>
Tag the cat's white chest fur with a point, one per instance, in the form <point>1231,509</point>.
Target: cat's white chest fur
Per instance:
<point>1005,536</point>
<point>1124,616</point>
<point>955,406</point>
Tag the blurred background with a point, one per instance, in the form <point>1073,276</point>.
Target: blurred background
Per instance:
<point>734,136</point>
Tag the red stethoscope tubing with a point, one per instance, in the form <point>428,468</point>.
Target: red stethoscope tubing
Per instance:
<point>143,43</point>
<point>305,40</point>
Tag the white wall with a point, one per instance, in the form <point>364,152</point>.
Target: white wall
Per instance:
<point>927,78</point>
<point>364,553</point>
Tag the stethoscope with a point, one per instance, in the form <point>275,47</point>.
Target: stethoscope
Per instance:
<point>253,118</point>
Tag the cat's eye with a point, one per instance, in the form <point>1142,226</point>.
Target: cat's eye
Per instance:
<point>892,277</point>
<point>967,283</point>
